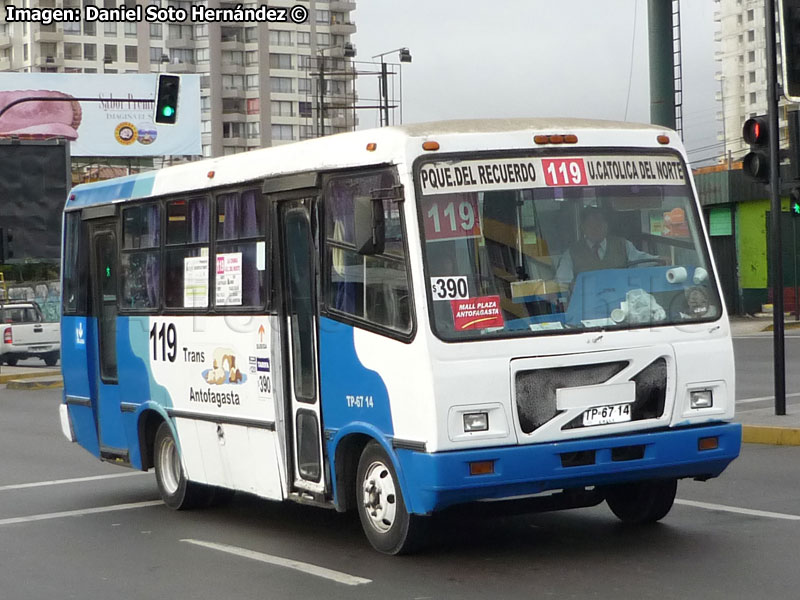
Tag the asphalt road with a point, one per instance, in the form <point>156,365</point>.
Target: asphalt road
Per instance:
<point>754,370</point>
<point>65,536</point>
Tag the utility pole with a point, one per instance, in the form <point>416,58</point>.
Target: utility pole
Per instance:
<point>776,255</point>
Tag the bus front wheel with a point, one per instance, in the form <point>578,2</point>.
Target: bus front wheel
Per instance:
<point>642,502</point>
<point>388,525</point>
<point>177,492</point>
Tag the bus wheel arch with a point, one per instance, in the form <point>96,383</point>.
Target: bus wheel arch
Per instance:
<point>381,506</point>
<point>149,422</point>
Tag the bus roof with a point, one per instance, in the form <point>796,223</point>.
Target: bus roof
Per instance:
<point>347,150</point>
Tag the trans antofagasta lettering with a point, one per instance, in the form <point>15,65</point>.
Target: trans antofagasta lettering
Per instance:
<point>634,169</point>
<point>218,398</point>
<point>447,176</point>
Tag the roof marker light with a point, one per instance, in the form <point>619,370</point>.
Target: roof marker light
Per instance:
<point>663,139</point>
<point>430,145</point>
<point>556,138</point>
<point>210,174</point>
<point>372,146</point>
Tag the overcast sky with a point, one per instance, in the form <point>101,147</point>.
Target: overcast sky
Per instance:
<point>527,58</point>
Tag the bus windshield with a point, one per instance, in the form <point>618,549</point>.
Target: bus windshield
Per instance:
<point>532,245</point>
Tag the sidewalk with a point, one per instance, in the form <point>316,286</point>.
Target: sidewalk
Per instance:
<point>30,378</point>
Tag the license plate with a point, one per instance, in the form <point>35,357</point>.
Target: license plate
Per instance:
<point>602,415</point>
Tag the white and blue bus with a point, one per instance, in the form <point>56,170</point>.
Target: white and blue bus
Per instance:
<point>401,320</point>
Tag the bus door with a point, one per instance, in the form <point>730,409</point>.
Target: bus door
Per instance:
<point>297,262</point>
<point>102,338</point>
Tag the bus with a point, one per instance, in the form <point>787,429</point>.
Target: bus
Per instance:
<point>518,315</point>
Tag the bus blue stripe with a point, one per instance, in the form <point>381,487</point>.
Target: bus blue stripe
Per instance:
<point>122,188</point>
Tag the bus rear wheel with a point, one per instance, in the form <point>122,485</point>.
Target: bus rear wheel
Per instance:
<point>176,491</point>
<point>388,525</point>
<point>642,502</point>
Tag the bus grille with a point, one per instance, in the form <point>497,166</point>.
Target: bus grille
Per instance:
<point>536,389</point>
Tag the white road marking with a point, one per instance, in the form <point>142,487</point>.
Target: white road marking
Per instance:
<point>80,512</point>
<point>308,568</point>
<point>22,486</point>
<point>740,511</point>
<point>762,398</point>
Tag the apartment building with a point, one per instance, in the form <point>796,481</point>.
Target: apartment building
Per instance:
<point>741,52</point>
<point>260,82</point>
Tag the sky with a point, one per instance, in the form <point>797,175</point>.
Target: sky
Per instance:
<point>537,58</point>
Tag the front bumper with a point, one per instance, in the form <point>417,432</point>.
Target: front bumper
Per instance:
<point>436,481</point>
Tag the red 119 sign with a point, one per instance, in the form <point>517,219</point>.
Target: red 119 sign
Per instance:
<point>564,171</point>
<point>452,217</point>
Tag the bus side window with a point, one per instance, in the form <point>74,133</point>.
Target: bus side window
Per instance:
<point>76,265</point>
<point>186,253</point>
<point>240,264</point>
<point>140,265</point>
<point>370,288</point>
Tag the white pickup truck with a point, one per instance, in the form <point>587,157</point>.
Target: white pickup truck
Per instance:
<point>24,334</point>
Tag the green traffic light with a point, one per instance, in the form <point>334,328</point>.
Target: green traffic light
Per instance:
<point>168,111</point>
<point>796,208</point>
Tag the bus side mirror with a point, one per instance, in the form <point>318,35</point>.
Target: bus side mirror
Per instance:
<point>370,225</point>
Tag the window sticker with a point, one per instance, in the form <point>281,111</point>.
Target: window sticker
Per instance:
<point>229,279</point>
<point>477,313</point>
<point>449,288</point>
<point>195,282</point>
<point>452,220</point>
<point>261,256</point>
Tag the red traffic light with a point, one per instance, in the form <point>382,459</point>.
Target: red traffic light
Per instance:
<point>756,131</point>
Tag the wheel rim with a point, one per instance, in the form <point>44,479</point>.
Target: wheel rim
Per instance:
<point>170,465</point>
<point>379,497</point>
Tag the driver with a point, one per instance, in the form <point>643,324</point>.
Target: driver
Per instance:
<point>597,250</point>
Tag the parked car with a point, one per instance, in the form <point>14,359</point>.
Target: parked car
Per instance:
<point>25,334</point>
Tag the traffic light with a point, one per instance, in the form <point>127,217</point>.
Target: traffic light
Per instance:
<point>167,99</point>
<point>756,162</point>
<point>794,202</point>
<point>789,14</point>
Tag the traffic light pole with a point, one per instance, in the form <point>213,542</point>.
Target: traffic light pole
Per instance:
<point>776,257</point>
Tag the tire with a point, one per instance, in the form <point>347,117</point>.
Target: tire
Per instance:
<point>11,362</point>
<point>379,500</point>
<point>642,502</point>
<point>176,491</point>
<point>50,359</point>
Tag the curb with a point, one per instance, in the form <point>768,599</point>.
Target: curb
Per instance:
<point>21,384</point>
<point>33,375</point>
<point>779,436</point>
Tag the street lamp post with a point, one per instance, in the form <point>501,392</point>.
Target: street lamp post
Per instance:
<point>348,51</point>
<point>405,57</point>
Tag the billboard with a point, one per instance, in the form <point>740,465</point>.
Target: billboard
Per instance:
<point>34,181</point>
<point>117,121</point>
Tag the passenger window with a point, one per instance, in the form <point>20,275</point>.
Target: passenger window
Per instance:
<point>76,264</point>
<point>372,288</point>
<point>140,266</point>
<point>240,261</point>
<point>186,254</point>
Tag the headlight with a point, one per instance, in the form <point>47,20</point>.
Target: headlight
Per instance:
<point>477,421</point>
<point>701,398</point>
